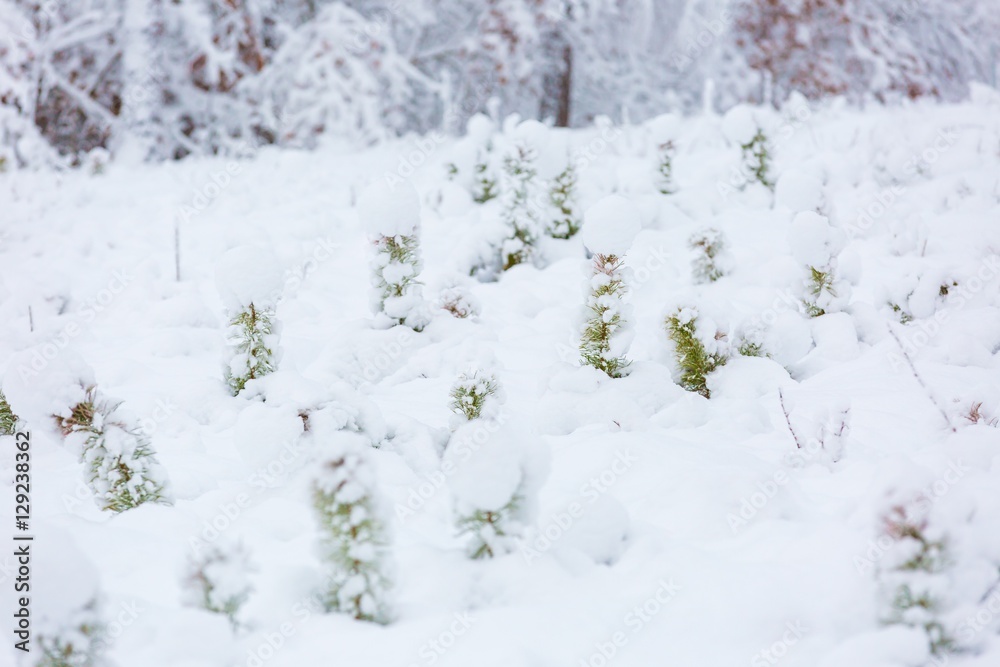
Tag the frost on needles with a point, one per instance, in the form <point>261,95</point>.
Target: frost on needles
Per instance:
<point>391,215</point>
<point>249,281</point>
<point>609,228</point>
<point>353,542</point>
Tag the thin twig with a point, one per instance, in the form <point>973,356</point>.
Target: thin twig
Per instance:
<point>784,411</point>
<point>927,389</point>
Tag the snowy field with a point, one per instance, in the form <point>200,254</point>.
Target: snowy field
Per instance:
<point>776,522</point>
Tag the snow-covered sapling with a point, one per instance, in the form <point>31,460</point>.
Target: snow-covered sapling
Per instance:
<point>122,469</point>
<point>741,128</point>
<point>664,134</point>
<point>609,229</point>
<point>912,574</point>
<point>218,580</point>
<point>696,357</point>
<point>563,199</point>
<point>472,392</point>
<point>490,487</point>
<point>391,215</point>
<point>707,265</point>
<point>353,542</point>
<point>816,244</point>
<point>473,158</point>
<point>8,420</point>
<point>457,301</point>
<point>78,643</point>
<point>520,190</point>
<point>249,281</point>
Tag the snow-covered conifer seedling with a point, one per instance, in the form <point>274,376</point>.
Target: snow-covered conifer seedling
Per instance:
<point>741,128</point>
<point>609,229</point>
<point>353,542</point>
<point>696,357</point>
<point>457,301</point>
<point>8,420</point>
<point>249,281</point>
<point>664,131</point>
<point>520,197</point>
<point>122,469</point>
<point>815,244</point>
<point>912,575</point>
<point>78,643</point>
<point>708,245</point>
<point>391,215</point>
<point>218,580</point>
<point>563,198</point>
<point>471,393</point>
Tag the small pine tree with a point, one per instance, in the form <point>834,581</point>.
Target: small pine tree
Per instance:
<point>708,246</point>
<point>122,469</point>
<point>757,159</point>
<point>78,643</point>
<point>471,392</point>
<point>458,302</point>
<point>253,338</point>
<point>606,317</point>
<point>353,541</point>
<point>8,420</point>
<point>819,291</point>
<point>665,168</point>
<point>484,186</point>
<point>693,359</point>
<point>491,533</point>
<point>915,560</point>
<point>519,213</point>
<point>218,581</point>
<point>751,343</point>
<point>398,298</point>
<point>562,197</point>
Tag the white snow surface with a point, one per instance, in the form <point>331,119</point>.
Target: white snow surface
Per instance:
<point>610,226</point>
<point>389,209</point>
<point>249,274</point>
<point>669,527</point>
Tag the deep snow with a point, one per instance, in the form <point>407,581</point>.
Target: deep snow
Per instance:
<point>671,529</point>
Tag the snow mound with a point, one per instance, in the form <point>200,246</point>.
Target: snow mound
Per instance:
<point>610,226</point>
<point>40,384</point>
<point>798,192</point>
<point>739,125</point>
<point>813,240</point>
<point>389,210</point>
<point>249,274</point>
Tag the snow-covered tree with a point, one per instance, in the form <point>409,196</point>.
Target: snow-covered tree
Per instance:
<point>497,469</point>
<point>249,281</point>
<point>78,643</point>
<point>391,215</point>
<point>708,246</point>
<point>563,198</point>
<point>742,129</point>
<point>912,574</point>
<point>698,350</point>
<point>664,131</point>
<point>353,542</point>
<point>218,580</point>
<point>609,228</point>
<point>815,244</point>
<point>122,469</point>
<point>521,187</point>
<point>459,302</point>
<point>8,420</point>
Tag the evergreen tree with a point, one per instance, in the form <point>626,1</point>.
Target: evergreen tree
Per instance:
<point>708,246</point>
<point>391,214</point>
<point>757,159</point>
<point>820,290</point>
<point>122,469</point>
<point>562,197</point>
<point>252,337</point>
<point>8,420</point>
<point>606,317</point>
<point>519,214</point>
<point>78,643</point>
<point>471,392</point>
<point>484,186</point>
<point>914,564</point>
<point>665,167</point>
<point>491,533</point>
<point>218,580</point>
<point>694,360</point>
<point>353,540</point>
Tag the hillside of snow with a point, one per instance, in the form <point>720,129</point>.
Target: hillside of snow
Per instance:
<point>761,525</point>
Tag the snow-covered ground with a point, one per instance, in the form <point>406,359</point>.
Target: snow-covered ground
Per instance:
<point>670,529</point>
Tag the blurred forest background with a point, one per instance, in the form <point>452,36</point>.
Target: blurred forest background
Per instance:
<point>171,78</point>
